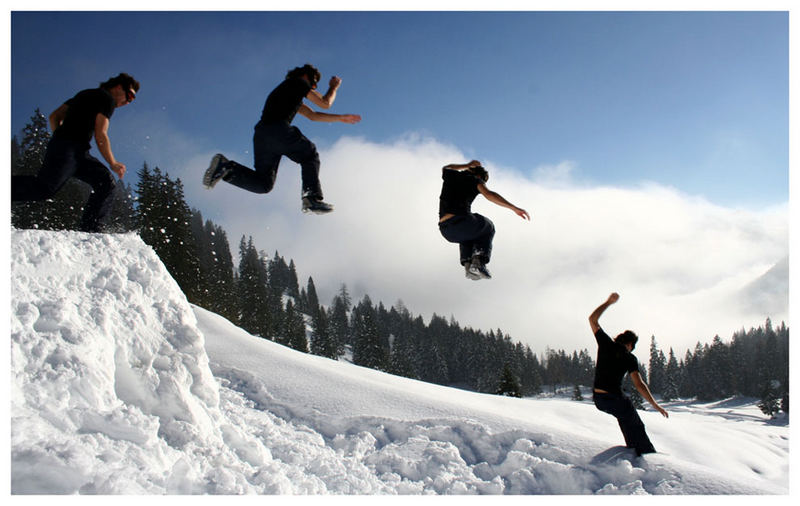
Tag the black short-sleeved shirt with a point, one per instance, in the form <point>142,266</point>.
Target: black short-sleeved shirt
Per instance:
<point>613,362</point>
<point>78,124</point>
<point>284,101</point>
<point>459,189</point>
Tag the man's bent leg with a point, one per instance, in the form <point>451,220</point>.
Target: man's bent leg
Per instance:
<point>485,235</point>
<point>630,424</point>
<point>633,428</point>
<point>59,165</point>
<point>98,207</point>
<point>301,150</point>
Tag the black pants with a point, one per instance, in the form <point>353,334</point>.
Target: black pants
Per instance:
<point>629,422</point>
<point>65,159</point>
<point>270,143</point>
<point>472,232</point>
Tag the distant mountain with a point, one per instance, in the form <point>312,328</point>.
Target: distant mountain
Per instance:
<point>769,294</point>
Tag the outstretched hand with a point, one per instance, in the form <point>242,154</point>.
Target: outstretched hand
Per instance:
<point>663,411</point>
<point>614,297</point>
<point>350,118</point>
<point>522,213</point>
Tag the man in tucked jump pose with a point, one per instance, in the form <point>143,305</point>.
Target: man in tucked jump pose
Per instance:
<point>614,359</point>
<point>473,232</point>
<point>73,123</point>
<point>275,137</point>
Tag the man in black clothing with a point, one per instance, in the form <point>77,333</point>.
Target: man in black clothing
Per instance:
<point>457,223</point>
<point>275,137</point>
<point>73,124</point>
<point>614,360</point>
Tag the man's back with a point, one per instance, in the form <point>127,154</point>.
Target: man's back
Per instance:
<point>613,362</point>
<point>284,101</point>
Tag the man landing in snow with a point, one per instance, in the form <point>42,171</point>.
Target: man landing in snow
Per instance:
<point>457,223</point>
<point>614,359</point>
<point>73,124</point>
<point>275,137</point>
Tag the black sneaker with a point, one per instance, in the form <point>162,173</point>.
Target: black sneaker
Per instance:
<point>316,206</point>
<point>477,268</point>
<point>475,276</point>
<point>215,171</point>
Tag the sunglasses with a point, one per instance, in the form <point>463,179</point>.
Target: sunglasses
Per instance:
<point>130,95</point>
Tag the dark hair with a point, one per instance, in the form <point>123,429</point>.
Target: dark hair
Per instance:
<point>306,70</point>
<point>627,337</point>
<point>127,82</point>
<point>479,172</point>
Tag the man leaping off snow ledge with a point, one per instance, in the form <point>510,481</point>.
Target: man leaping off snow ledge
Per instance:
<point>275,137</point>
<point>614,359</point>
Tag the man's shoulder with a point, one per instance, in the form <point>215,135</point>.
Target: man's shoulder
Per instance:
<point>294,83</point>
<point>92,95</point>
<point>601,334</point>
<point>459,175</point>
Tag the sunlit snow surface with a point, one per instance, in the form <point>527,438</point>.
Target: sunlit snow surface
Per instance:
<point>120,386</point>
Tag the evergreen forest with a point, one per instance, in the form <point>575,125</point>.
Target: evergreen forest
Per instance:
<point>262,293</point>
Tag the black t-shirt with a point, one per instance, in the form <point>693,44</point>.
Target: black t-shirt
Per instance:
<point>284,101</point>
<point>459,189</point>
<point>78,124</point>
<point>613,362</point>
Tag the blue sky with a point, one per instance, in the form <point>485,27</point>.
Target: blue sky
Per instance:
<point>694,100</point>
<point>651,149</point>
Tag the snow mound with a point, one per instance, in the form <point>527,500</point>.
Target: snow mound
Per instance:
<point>111,389</point>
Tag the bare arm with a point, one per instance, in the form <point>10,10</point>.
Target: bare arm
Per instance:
<point>57,117</point>
<point>595,316</point>
<point>498,199</point>
<point>641,386</point>
<point>326,117</point>
<point>325,101</point>
<point>104,144</point>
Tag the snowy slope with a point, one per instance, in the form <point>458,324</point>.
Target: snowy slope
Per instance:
<point>120,386</point>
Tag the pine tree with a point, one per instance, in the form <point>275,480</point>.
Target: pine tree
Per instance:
<point>279,276</point>
<point>294,329</point>
<point>293,287</point>
<point>217,288</point>
<point>312,300</point>
<point>252,290</point>
<point>718,370</point>
<point>531,376</point>
<point>770,402</point>
<point>658,366</point>
<point>432,365</point>
<point>576,393</point>
<point>339,321</point>
<point>672,377</point>
<point>367,348</point>
<point>320,335</point>
<point>122,217</point>
<point>165,224</point>
<point>402,356</point>
<point>508,384</point>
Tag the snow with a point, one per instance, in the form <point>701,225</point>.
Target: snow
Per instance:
<point>120,386</point>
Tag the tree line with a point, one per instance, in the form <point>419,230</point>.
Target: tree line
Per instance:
<point>755,363</point>
<point>262,294</point>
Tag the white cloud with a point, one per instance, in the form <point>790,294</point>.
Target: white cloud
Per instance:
<point>681,264</point>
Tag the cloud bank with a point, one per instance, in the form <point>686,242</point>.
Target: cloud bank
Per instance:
<point>686,269</point>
